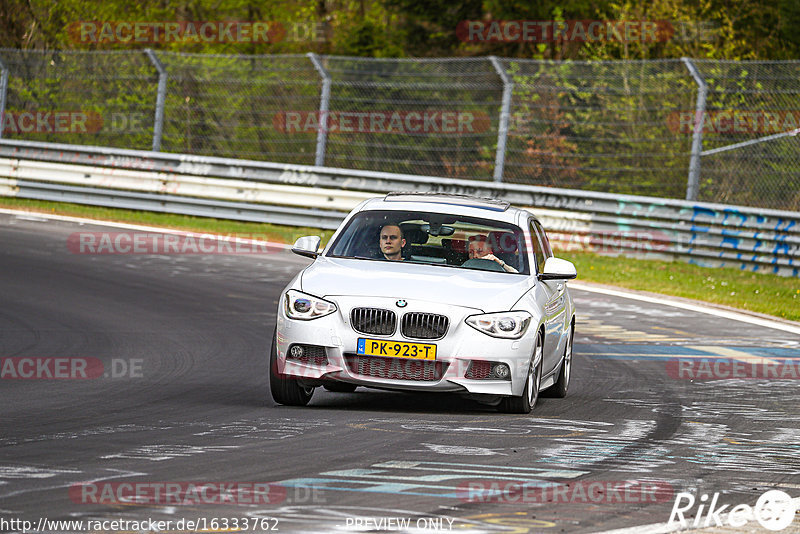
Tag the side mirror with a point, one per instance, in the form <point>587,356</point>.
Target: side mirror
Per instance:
<point>558,269</point>
<point>307,246</point>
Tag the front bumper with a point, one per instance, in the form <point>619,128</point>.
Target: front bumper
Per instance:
<point>460,346</point>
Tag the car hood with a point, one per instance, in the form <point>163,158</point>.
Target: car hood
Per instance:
<point>486,291</point>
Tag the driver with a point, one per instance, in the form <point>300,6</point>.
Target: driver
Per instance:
<point>392,242</point>
<point>480,248</point>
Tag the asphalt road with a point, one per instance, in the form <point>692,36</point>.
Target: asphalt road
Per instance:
<point>182,397</point>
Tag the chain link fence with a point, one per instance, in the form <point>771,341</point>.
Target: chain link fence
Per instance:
<point>612,126</point>
<point>749,102</point>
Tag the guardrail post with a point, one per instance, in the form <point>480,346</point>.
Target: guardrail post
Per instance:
<point>3,92</point>
<point>158,125</point>
<point>693,182</point>
<point>505,113</point>
<point>324,102</point>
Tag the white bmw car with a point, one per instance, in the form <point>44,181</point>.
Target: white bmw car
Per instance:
<point>428,292</point>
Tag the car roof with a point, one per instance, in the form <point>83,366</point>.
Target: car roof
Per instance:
<point>487,208</point>
<point>450,198</point>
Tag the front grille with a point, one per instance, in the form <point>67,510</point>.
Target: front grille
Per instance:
<point>312,355</point>
<point>420,325</point>
<point>396,368</point>
<point>375,321</point>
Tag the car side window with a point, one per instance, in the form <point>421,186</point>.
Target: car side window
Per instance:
<point>548,252</point>
<point>538,251</point>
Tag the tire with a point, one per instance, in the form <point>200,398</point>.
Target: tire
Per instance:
<point>530,394</point>
<point>285,390</point>
<point>559,389</point>
<point>340,387</point>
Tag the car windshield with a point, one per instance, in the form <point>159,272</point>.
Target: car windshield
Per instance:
<point>445,240</point>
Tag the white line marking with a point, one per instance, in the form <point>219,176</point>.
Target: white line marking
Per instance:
<point>462,450</point>
<point>654,528</point>
<point>733,316</point>
<point>32,472</point>
<point>25,215</point>
<point>380,474</point>
<point>750,358</point>
<point>725,352</point>
<point>68,484</point>
<point>482,469</point>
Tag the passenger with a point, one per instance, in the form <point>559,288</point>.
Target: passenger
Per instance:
<point>480,248</point>
<point>392,242</point>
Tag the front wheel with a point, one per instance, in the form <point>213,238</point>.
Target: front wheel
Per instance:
<point>530,394</point>
<point>285,390</point>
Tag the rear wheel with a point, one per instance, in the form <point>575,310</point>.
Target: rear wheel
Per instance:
<point>530,394</point>
<point>559,389</point>
<point>340,387</point>
<point>285,390</point>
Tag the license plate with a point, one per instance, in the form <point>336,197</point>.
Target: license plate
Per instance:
<point>396,349</point>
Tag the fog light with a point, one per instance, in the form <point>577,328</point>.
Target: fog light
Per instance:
<point>296,351</point>
<point>502,371</point>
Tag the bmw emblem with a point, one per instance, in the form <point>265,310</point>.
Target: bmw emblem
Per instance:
<point>401,303</point>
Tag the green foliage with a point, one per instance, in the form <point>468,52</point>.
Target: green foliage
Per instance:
<point>368,39</point>
<point>729,29</point>
<point>596,125</point>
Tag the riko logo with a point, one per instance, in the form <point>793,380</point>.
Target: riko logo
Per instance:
<point>774,510</point>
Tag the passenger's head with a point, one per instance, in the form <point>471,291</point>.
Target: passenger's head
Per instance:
<point>479,247</point>
<point>392,242</point>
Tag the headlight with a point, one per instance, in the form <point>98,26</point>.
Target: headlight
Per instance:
<point>509,325</point>
<point>306,307</point>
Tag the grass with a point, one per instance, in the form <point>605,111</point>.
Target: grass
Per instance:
<point>756,292</point>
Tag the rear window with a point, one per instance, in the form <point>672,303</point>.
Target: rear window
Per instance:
<point>450,241</point>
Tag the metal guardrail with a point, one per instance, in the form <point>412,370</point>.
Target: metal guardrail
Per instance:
<point>706,234</point>
<point>510,120</point>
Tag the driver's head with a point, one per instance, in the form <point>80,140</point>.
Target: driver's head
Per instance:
<point>392,242</point>
<point>479,247</point>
